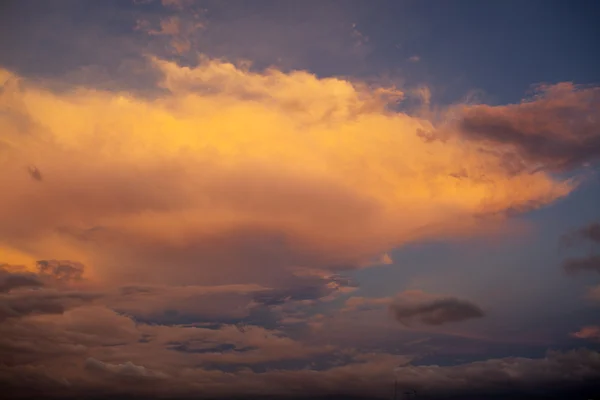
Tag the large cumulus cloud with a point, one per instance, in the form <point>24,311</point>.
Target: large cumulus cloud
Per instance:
<point>231,176</point>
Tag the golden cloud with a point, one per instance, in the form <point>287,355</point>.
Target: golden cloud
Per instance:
<point>233,176</point>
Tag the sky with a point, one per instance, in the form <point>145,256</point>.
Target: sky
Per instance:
<point>299,199</point>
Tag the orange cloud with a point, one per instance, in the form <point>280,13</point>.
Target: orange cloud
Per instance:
<point>181,28</point>
<point>366,303</point>
<point>588,332</point>
<point>233,176</point>
<point>594,293</point>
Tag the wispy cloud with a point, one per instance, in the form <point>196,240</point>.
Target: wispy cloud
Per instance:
<point>588,332</point>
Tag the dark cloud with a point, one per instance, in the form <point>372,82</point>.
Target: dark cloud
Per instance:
<point>583,264</point>
<point>46,298</point>
<point>29,381</point>
<point>221,348</point>
<point>61,270</point>
<point>558,129</point>
<point>175,305</point>
<point>558,374</point>
<point>14,280</point>
<point>43,301</point>
<point>588,233</point>
<point>591,232</point>
<point>281,296</point>
<point>306,288</point>
<point>436,312</point>
<point>35,173</point>
<point>228,304</point>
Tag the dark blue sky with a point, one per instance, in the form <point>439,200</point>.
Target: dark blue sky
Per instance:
<point>498,48</point>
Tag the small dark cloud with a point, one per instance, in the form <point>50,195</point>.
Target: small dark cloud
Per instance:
<point>588,233</point>
<point>583,264</point>
<point>436,312</point>
<point>35,173</point>
<point>591,232</point>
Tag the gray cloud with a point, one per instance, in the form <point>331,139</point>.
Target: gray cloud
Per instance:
<point>588,233</point>
<point>305,288</point>
<point>591,232</point>
<point>14,280</point>
<point>583,264</point>
<point>436,312</point>
<point>43,301</point>
<point>61,270</point>
<point>35,173</point>
<point>47,298</point>
<point>559,128</point>
<point>558,374</point>
<point>227,304</point>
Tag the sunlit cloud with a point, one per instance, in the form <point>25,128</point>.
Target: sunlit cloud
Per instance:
<point>588,332</point>
<point>181,29</point>
<point>214,171</point>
